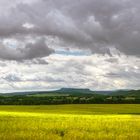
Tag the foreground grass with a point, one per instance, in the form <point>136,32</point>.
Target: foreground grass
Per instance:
<point>66,123</point>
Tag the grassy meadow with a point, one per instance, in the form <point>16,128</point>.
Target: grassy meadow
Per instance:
<point>70,122</point>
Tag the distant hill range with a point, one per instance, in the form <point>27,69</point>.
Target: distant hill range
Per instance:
<point>132,93</point>
<point>76,92</point>
<point>61,92</point>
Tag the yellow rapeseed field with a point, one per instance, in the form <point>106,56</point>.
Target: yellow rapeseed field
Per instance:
<point>34,125</point>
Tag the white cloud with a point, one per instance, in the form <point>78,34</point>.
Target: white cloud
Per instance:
<point>28,25</point>
<point>94,71</point>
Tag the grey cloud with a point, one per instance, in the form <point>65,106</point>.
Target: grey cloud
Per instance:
<point>12,78</point>
<point>29,51</point>
<point>40,61</point>
<point>91,24</point>
<point>38,49</point>
<point>35,61</point>
<point>112,60</point>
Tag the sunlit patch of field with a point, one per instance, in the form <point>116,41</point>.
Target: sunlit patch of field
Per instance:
<point>34,125</point>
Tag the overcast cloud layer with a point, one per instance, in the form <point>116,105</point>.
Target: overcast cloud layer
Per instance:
<point>49,44</point>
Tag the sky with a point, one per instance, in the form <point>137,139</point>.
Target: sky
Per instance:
<point>50,44</point>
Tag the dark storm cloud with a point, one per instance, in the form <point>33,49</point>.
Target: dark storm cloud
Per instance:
<point>98,25</point>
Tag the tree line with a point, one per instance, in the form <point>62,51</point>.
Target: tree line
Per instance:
<point>51,100</point>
